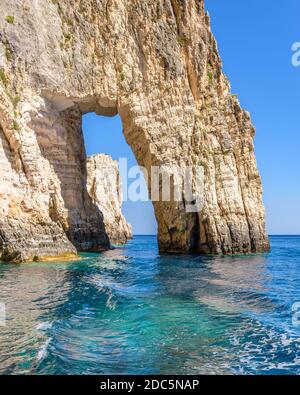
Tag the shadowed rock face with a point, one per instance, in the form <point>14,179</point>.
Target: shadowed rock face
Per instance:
<point>155,63</point>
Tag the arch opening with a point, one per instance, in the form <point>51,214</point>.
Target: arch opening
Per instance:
<point>83,150</point>
<point>103,136</point>
<point>71,217</point>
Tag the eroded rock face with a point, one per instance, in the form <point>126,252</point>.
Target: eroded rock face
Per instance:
<point>155,63</point>
<point>105,189</point>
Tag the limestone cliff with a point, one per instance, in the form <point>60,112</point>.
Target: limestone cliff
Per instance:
<point>105,189</point>
<point>155,63</point>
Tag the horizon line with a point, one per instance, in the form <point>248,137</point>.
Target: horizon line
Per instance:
<point>270,234</point>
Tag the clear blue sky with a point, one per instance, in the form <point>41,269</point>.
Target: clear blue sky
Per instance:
<point>254,39</point>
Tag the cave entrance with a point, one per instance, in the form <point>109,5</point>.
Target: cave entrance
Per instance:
<point>104,140</point>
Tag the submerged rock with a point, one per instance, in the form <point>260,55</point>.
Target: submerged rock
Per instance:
<point>155,63</point>
<point>105,189</point>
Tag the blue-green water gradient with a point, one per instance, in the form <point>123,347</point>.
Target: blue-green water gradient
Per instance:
<point>133,311</point>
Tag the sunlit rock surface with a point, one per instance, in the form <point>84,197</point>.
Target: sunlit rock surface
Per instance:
<point>155,63</point>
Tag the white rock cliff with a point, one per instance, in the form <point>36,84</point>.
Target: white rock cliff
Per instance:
<point>155,63</point>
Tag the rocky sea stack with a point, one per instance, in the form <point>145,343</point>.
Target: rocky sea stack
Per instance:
<point>105,188</point>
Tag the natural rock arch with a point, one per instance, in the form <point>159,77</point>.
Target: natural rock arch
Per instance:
<point>155,63</point>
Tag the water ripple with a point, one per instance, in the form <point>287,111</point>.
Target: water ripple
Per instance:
<point>130,311</point>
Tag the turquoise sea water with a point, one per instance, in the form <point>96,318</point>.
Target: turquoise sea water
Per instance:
<point>133,311</point>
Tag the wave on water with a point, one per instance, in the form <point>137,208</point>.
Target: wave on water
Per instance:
<point>134,311</point>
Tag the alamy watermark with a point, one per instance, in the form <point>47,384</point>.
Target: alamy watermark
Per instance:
<point>296,54</point>
<point>165,183</point>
